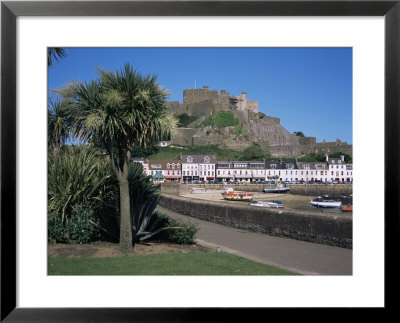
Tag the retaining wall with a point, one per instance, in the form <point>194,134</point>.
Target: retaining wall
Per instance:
<point>323,229</point>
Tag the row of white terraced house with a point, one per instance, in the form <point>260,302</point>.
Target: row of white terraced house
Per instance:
<point>206,168</point>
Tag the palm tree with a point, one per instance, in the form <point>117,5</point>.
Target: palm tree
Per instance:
<point>59,119</point>
<point>123,110</point>
<point>55,53</point>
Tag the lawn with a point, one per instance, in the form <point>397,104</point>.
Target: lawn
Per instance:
<point>193,263</point>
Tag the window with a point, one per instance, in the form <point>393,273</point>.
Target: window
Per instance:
<point>273,166</point>
<point>206,159</point>
<point>189,159</point>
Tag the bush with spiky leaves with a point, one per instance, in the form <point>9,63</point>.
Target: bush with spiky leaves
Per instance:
<point>78,175</point>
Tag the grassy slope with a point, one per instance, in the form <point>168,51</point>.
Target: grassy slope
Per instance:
<point>195,263</point>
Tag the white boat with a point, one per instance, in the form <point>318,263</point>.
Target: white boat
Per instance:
<point>197,190</point>
<point>323,202</point>
<point>231,195</point>
<point>273,203</point>
<point>277,189</point>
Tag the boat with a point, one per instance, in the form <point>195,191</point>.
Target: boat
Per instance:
<point>277,189</point>
<point>231,195</point>
<point>325,202</point>
<point>272,203</point>
<point>197,189</point>
<point>346,208</point>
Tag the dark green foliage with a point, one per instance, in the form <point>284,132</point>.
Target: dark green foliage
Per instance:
<point>312,157</point>
<point>143,199</point>
<point>182,232</point>
<point>78,175</point>
<point>299,133</point>
<point>184,120</point>
<point>55,228</point>
<point>55,53</point>
<point>82,226</point>
<point>221,119</point>
<point>254,153</point>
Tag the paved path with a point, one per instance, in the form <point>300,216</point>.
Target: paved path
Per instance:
<point>294,255</point>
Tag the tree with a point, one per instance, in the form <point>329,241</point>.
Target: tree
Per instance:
<point>59,119</point>
<point>55,53</point>
<point>123,110</point>
<point>299,133</point>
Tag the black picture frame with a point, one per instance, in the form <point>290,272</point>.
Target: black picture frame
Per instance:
<point>10,10</point>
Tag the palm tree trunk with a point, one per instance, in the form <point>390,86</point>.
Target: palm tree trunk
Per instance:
<point>125,236</point>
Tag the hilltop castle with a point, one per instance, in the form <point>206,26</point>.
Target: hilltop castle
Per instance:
<point>258,128</point>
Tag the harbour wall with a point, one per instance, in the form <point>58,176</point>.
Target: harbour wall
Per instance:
<point>298,189</point>
<point>324,229</point>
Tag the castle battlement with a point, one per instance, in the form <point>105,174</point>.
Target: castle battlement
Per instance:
<point>223,98</point>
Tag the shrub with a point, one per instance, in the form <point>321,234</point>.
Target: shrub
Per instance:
<point>55,228</point>
<point>221,119</point>
<point>184,119</point>
<point>83,225</point>
<point>239,130</point>
<point>165,228</point>
<point>182,232</point>
<point>78,175</point>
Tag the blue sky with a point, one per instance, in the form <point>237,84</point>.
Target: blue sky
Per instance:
<point>309,89</point>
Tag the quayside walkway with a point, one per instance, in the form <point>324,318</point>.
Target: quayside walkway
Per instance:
<point>294,255</point>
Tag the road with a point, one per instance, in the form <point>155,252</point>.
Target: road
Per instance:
<point>297,256</point>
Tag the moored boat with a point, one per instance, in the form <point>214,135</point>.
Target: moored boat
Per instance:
<point>346,208</point>
<point>197,190</point>
<point>276,189</point>
<point>323,202</point>
<point>231,195</point>
<point>272,203</point>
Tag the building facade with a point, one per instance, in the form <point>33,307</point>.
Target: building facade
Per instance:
<point>339,171</point>
<point>198,167</point>
<point>169,169</point>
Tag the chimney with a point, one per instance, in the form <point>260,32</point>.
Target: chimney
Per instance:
<point>342,158</point>
<point>326,157</point>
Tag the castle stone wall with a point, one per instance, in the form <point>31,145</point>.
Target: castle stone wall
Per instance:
<point>183,137</point>
<point>191,96</point>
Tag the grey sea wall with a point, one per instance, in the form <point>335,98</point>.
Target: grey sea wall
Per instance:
<point>325,229</point>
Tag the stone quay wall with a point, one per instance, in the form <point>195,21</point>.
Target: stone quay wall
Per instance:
<point>300,225</point>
